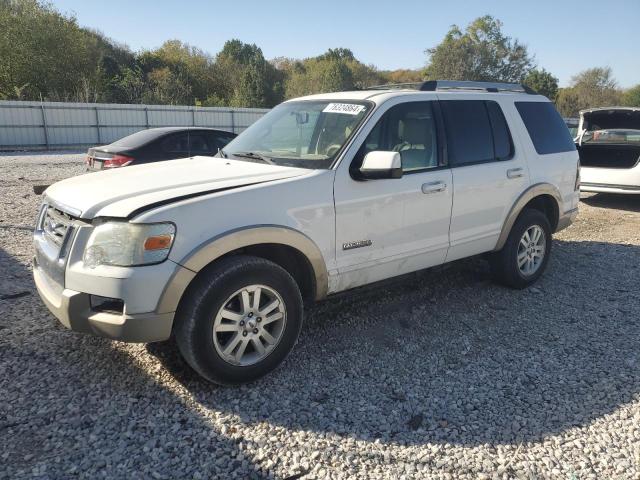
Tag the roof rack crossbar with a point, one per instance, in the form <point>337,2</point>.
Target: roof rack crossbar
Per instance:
<point>434,85</point>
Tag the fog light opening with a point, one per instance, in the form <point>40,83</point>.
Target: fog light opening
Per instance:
<point>106,304</point>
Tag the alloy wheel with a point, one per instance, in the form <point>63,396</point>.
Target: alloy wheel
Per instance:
<point>531,250</point>
<point>249,325</point>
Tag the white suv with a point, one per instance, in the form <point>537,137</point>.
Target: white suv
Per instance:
<point>323,194</point>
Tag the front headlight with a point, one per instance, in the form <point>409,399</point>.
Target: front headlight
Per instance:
<point>129,244</point>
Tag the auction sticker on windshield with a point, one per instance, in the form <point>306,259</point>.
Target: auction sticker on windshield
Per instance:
<point>348,108</point>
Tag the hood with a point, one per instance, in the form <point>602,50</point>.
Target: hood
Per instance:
<point>612,118</point>
<point>122,191</point>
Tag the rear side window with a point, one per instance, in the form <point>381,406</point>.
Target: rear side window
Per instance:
<point>546,128</point>
<point>200,145</point>
<point>502,144</point>
<point>177,143</point>
<point>469,135</point>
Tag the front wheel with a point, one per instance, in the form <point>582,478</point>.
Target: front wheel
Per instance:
<point>525,254</point>
<point>240,320</point>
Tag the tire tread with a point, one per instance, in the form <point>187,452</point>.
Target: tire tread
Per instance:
<point>503,265</point>
<point>194,300</point>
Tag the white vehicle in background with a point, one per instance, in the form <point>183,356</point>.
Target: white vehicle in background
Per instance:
<point>609,145</point>
<point>572,125</point>
<point>323,194</point>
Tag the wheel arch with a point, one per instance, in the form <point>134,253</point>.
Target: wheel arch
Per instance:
<point>289,248</point>
<point>541,196</point>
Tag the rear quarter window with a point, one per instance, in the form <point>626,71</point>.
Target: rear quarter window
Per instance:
<point>502,144</point>
<point>546,128</point>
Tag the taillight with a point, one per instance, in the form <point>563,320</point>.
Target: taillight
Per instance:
<point>87,160</point>
<point>117,161</point>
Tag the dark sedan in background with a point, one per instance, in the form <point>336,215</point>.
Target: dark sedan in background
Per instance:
<point>158,144</point>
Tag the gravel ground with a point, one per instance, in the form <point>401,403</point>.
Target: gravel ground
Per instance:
<point>440,374</point>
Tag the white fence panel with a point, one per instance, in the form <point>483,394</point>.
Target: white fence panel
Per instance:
<point>38,125</point>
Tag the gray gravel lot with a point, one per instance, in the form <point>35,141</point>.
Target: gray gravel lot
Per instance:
<point>440,374</point>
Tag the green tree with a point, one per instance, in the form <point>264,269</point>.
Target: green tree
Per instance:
<point>402,76</point>
<point>214,100</point>
<point>44,54</point>
<point>189,64</point>
<point>542,82</point>
<point>251,90</point>
<point>364,76</point>
<point>594,87</point>
<point>242,53</point>
<point>244,78</point>
<point>337,54</point>
<point>334,76</point>
<point>166,88</point>
<point>482,52</point>
<point>567,102</point>
<point>128,86</point>
<point>335,70</point>
<point>631,97</point>
<point>317,75</point>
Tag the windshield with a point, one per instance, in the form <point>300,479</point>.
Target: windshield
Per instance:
<point>611,136</point>
<point>307,134</point>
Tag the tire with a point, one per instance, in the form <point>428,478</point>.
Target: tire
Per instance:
<point>505,263</point>
<point>210,315</point>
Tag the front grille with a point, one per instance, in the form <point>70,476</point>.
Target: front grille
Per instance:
<point>52,240</point>
<point>56,225</point>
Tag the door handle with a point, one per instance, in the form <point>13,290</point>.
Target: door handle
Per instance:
<point>434,187</point>
<point>515,173</point>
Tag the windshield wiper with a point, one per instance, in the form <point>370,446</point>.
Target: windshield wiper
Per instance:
<point>253,155</point>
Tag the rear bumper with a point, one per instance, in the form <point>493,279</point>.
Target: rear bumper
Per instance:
<point>610,180</point>
<point>73,310</point>
<point>607,188</point>
<point>566,219</point>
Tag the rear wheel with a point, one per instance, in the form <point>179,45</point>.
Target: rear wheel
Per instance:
<point>240,320</point>
<point>525,254</point>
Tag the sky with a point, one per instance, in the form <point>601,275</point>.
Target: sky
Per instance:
<point>565,36</point>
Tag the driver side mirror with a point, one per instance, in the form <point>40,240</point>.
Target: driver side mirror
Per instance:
<point>379,164</point>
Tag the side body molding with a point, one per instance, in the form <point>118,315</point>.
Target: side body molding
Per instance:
<point>224,243</point>
<point>526,196</point>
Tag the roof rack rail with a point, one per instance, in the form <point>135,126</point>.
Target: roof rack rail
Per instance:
<point>396,86</point>
<point>434,85</point>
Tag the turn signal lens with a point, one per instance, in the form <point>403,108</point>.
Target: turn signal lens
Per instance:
<point>158,242</point>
